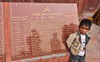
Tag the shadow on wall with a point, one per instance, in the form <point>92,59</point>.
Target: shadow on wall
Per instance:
<point>55,44</point>
<point>34,42</point>
<point>66,31</point>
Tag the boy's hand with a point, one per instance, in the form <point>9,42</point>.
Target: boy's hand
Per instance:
<point>76,43</point>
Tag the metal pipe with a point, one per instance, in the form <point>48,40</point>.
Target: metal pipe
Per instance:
<point>42,57</point>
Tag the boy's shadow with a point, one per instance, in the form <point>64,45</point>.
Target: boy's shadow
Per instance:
<point>67,30</point>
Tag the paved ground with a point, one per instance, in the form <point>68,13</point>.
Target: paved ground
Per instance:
<point>93,47</point>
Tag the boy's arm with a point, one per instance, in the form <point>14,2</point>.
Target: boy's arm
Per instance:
<point>70,40</point>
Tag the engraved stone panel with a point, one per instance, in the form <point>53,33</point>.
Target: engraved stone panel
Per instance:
<point>40,28</point>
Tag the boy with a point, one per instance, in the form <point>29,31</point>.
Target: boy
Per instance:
<point>77,41</point>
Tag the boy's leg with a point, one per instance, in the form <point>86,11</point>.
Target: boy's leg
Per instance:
<point>82,59</point>
<point>73,58</point>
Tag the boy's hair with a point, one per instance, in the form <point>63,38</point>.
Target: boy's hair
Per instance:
<point>85,22</point>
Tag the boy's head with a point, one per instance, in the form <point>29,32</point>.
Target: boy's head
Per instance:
<point>84,26</point>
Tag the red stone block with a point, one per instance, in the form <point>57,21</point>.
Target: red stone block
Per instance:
<point>56,59</point>
<point>43,60</point>
<point>50,60</point>
<point>36,30</point>
<point>63,59</point>
<point>67,57</point>
<point>37,61</point>
<point>39,32</point>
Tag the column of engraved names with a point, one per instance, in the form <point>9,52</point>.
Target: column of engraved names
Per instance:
<point>2,48</point>
<point>25,33</point>
<point>18,37</point>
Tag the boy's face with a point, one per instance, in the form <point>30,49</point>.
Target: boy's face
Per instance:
<point>83,29</point>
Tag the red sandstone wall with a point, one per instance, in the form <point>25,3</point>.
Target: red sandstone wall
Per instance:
<point>33,30</point>
<point>93,47</point>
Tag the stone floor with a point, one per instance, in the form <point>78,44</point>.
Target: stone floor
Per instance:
<point>93,47</point>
